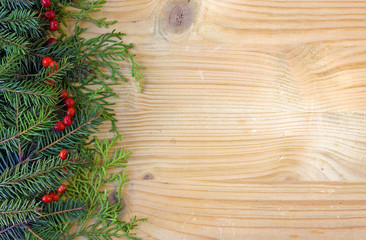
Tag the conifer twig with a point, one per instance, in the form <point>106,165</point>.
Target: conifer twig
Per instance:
<point>66,135</point>
<point>13,43</point>
<point>31,231</point>
<point>63,211</point>
<point>19,134</point>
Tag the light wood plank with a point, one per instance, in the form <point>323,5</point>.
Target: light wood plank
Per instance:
<point>252,121</point>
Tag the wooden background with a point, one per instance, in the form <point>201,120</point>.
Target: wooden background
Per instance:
<point>252,120</point>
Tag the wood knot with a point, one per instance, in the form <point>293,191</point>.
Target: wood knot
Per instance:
<point>148,176</point>
<point>176,17</point>
<point>180,18</point>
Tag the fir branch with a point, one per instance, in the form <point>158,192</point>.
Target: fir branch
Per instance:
<point>8,160</point>
<point>11,227</point>
<point>15,210</point>
<point>31,231</point>
<point>21,22</point>
<point>56,216</point>
<point>29,95</point>
<point>26,92</point>
<point>48,73</point>
<point>71,210</point>
<point>12,42</point>
<point>21,133</point>
<point>20,181</point>
<point>18,130</point>
<point>30,126</point>
<point>80,127</point>
<point>9,63</point>
<point>62,211</point>
<point>16,4</point>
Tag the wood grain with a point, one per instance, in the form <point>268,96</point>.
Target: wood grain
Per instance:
<point>252,121</point>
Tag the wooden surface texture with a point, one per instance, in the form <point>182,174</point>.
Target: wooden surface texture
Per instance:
<point>252,122</point>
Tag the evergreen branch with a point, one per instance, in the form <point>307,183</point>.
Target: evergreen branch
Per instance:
<point>56,215</point>
<point>47,215</point>
<point>16,4</point>
<point>21,179</point>
<point>49,73</point>
<point>20,21</point>
<point>17,123</point>
<point>21,133</point>
<point>24,75</point>
<point>11,227</point>
<point>9,139</point>
<point>13,42</point>
<point>45,172</point>
<point>8,62</point>
<point>32,96</point>
<point>63,211</point>
<point>69,134</point>
<point>8,160</point>
<point>31,231</point>
<point>16,20</point>
<point>87,7</point>
<point>15,210</point>
<point>26,92</point>
<point>90,183</point>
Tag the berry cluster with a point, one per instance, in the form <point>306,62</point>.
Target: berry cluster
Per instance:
<point>70,112</point>
<point>49,62</point>
<point>69,102</point>
<point>54,196</point>
<point>50,15</point>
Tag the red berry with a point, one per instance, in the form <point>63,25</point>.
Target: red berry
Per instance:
<point>53,65</point>
<point>59,126</point>
<point>67,120</point>
<point>62,188</point>
<point>46,198</point>
<point>46,3</point>
<point>53,25</point>
<point>46,61</point>
<point>50,14</point>
<point>69,102</point>
<point>70,111</point>
<point>64,154</point>
<point>54,196</point>
<point>51,40</point>
<point>63,94</point>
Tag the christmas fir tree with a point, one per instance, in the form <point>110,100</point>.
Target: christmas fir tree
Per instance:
<point>54,90</point>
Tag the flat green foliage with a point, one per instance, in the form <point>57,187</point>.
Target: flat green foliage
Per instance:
<point>104,207</point>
